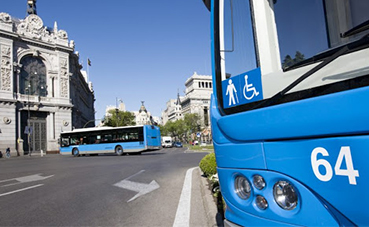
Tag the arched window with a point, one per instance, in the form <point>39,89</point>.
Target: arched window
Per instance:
<point>33,77</point>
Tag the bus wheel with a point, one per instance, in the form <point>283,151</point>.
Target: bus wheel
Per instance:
<point>119,150</point>
<point>75,152</point>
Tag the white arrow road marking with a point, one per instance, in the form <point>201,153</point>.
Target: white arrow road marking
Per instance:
<point>184,206</point>
<point>19,190</point>
<point>20,180</point>
<point>141,188</point>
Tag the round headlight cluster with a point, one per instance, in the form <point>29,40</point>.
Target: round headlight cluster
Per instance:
<point>261,202</point>
<point>285,195</point>
<point>258,182</point>
<point>242,187</point>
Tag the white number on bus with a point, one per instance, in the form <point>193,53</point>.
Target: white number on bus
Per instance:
<point>345,153</point>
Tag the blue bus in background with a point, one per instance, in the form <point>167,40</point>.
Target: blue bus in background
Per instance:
<point>289,111</point>
<point>104,140</point>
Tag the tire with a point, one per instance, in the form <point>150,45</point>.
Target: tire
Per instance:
<point>75,152</point>
<point>119,150</point>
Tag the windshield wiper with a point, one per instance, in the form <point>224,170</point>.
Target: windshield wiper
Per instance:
<point>339,52</point>
<point>279,95</point>
<point>357,29</point>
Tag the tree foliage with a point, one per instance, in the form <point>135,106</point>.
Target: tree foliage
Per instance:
<point>193,122</point>
<point>289,61</point>
<point>119,118</point>
<point>182,128</point>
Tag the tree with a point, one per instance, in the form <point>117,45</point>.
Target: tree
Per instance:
<point>192,122</point>
<point>119,118</point>
<point>298,57</point>
<point>182,128</point>
<point>288,61</point>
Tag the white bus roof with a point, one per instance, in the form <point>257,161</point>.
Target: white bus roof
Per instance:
<point>99,129</point>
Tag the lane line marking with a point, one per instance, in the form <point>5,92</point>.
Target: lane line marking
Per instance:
<point>19,190</point>
<point>184,206</point>
<point>135,174</point>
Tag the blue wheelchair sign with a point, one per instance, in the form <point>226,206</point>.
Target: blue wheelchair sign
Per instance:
<point>242,89</point>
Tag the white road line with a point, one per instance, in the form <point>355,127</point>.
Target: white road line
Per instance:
<point>19,190</point>
<point>20,180</point>
<point>184,206</point>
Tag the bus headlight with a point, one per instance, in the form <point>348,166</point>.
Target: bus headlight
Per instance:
<point>285,195</point>
<point>258,182</point>
<point>261,202</point>
<point>242,187</point>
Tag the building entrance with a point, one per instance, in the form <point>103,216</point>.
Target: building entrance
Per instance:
<point>34,132</point>
<point>38,137</point>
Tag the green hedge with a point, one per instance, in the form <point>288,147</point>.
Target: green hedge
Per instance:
<point>208,165</point>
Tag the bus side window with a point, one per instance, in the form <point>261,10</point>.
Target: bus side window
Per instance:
<point>74,141</point>
<point>65,142</point>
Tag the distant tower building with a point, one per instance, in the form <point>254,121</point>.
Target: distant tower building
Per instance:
<point>173,111</point>
<point>142,116</point>
<point>197,99</point>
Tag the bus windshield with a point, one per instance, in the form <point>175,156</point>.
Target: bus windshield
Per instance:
<point>307,28</point>
<point>254,61</point>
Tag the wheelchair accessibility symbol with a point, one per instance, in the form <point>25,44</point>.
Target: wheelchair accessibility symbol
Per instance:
<point>242,89</point>
<point>249,88</point>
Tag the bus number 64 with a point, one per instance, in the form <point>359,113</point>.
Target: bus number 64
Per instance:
<point>345,153</point>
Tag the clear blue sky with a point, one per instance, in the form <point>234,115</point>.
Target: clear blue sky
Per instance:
<point>140,50</point>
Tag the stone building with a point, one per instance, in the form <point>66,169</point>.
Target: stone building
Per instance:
<point>196,100</point>
<point>142,116</point>
<point>42,88</point>
<point>173,111</point>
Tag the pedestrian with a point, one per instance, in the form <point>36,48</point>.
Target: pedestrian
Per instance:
<point>8,152</point>
<point>1,154</point>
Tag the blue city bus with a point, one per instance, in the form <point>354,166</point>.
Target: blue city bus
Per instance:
<point>289,113</point>
<point>104,140</point>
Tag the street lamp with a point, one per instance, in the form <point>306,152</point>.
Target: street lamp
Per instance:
<point>117,110</point>
<point>28,122</point>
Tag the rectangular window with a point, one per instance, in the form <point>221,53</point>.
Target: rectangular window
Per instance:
<point>237,44</point>
<point>308,28</point>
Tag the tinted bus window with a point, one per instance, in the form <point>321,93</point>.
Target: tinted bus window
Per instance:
<point>237,46</point>
<point>301,29</point>
<point>308,28</point>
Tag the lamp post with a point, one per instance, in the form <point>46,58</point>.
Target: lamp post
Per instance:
<point>117,110</point>
<point>28,122</point>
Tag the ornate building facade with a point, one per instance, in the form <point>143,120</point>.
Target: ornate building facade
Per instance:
<point>42,88</point>
<point>173,111</point>
<point>196,100</point>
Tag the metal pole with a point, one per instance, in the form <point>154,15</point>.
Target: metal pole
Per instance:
<point>28,126</point>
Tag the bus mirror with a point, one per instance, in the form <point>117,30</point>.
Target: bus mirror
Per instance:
<point>228,27</point>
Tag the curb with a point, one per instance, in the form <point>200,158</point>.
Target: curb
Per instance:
<point>209,203</point>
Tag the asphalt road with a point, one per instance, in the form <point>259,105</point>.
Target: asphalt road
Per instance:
<point>104,190</point>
